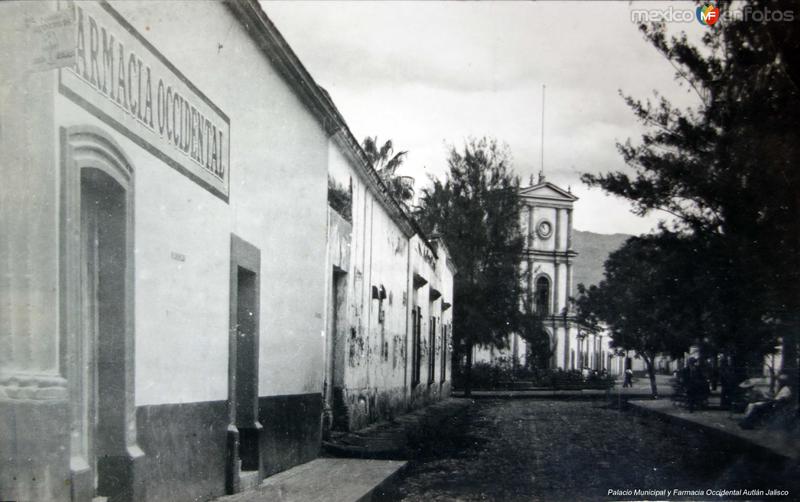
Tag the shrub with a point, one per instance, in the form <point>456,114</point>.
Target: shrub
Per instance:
<point>340,199</point>
<point>501,373</point>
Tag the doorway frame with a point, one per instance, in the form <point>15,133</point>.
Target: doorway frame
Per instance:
<point>248,257</point>
<point>335,414</point>
<point>89,147</point>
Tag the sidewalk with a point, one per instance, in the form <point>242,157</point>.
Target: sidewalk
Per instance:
<point>724,424</point>
<point>323,480</point>
<point>363,462</point>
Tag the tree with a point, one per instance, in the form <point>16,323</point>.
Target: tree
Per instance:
<point>727,171</point>
<point>531,329</point>
<point>340,199</point>
<point>386,161</point>
<point>645,299</point>
<point>476,211</point>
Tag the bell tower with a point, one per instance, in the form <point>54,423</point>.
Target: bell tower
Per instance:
<point>548,258</point>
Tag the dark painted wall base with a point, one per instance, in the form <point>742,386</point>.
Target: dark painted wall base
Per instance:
<point>186,444</point>
<point>185,449</point>
<point>292,430</point>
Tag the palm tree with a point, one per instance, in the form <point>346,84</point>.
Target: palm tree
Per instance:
<point>386,161</point>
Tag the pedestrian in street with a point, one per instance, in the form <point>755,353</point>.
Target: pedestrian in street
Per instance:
<point>695,385</point>
<point>715,374</point>
<point>727,380</point>
<point>628,382</point>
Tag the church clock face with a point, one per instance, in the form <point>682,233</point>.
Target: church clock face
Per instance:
<point>544,229</point>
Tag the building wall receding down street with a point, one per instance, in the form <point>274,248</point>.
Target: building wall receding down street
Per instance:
<point>380,303</point>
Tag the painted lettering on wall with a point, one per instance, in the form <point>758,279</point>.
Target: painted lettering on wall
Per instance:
<point>121,77</point>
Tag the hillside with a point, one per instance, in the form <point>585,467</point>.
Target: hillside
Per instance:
<point>593,249</point>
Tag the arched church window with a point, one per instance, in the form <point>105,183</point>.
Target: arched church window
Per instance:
<point>542,296</point>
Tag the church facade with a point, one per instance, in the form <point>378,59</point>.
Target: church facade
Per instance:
<point>546,222</point>
<point>547,269</point>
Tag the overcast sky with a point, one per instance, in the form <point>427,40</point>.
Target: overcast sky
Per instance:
<point>428,75</point>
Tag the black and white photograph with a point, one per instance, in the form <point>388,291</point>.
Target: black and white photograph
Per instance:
<point>399,251</point>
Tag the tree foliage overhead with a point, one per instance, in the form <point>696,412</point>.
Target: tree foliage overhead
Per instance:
<point>340,199</point>
<point>476,211</point>
<point>641,300</point>
<point>385,161</point>
<point>646,299</point>
<point>727,169</point>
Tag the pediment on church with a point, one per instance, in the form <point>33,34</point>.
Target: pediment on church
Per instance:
<point>549,191</point>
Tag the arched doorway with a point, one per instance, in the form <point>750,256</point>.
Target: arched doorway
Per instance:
<point>97,322</point>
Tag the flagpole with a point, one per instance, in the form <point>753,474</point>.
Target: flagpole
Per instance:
<point>541,149</point>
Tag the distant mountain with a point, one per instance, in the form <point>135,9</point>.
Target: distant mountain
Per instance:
<point>593,249</point>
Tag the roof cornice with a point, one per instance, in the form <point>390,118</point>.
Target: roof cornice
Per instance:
<point>277,50</point>
<point>565,195</point>
<point>543,253</point>
<point>350,147</point>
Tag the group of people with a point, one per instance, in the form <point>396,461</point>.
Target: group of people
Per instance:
<point>696,388</point>
<point>589,374</point>
<point>762,406</point>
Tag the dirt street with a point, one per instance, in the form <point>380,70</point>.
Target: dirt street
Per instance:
<point>574,450</point>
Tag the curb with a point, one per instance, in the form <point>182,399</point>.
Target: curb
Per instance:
<point>554,395</point>
<point>377,489</point>
<point>742,444</point>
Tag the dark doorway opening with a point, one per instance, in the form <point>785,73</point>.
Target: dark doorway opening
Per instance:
<point>244,437</point>
<point>443,362</point>
<point>432,349</point>
<point>102,344</point>
<point>335,414</point>
<point>97,322</point>
<point>247,369</point>
<point>416,346</point>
